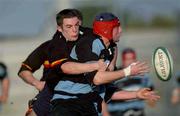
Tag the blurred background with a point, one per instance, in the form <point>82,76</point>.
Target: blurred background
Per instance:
<point>147,24</point>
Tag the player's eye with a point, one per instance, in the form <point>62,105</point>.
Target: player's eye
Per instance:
<point>68,26</point>
<point>77,24</point>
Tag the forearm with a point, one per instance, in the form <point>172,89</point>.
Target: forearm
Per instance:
<point>5,87</point>
<point>103,77</point>
<point>78,68</point>
<point>28,77</point>
<point>124,95</point>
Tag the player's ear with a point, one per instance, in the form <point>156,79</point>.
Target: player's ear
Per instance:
<point>59,28</point>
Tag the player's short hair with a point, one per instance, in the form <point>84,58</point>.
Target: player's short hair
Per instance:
<point>128,50</point>
<point>67,13</point>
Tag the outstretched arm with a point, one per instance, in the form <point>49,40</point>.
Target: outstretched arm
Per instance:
<point>103,77</point>
<point>144,93</point>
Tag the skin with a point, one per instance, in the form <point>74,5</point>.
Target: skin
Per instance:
<point>70,28</point>
<point>175,98</point>
<point>5,90</point>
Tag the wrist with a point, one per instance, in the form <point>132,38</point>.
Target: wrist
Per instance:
<point>136,95</point>
<point>127,71</point>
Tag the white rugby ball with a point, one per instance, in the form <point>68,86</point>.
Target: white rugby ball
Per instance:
<point>163,63</point>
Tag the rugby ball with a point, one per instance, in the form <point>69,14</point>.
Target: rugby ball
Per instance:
<point>163,63</point>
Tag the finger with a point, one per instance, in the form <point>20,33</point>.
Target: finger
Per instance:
<point>141,64</point>
<point>144,68</point>
<point>148,89</point>
<point>137,62</point>
<point>101,60</point>
<point>142,72</point>
<point>154,96</point>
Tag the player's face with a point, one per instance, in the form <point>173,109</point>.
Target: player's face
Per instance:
<point>128,59</point>
<point>70,28</point>
<point>116,33</point>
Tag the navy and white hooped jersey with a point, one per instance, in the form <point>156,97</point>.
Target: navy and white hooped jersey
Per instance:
<point>91,50</point>
<point>130,84</point>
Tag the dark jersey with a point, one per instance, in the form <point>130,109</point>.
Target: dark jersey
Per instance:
<point>3,71</point>
<point>51,54</point>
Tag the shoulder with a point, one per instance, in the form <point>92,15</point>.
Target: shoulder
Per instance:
<point>85,30</point>
<point>45,44</point>
<point>42,46</point>
<point>87,37</point>
<point>57,41</point>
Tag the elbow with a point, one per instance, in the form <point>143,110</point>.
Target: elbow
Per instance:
<point>23,73</point>
<point>66,71</point>
<point>20,74</point>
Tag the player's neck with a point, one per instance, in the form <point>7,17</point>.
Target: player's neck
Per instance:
<point>105,41</point>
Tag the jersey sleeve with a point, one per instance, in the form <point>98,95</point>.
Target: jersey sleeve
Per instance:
<point>34,61</point>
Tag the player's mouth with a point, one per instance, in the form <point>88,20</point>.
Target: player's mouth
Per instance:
<point>74,36</point>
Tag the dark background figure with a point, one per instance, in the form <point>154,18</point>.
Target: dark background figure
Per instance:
<point>4,84</point>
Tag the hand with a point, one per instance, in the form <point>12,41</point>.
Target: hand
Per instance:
<point>138,68</point>
<point>102,65</point>
<point>110,67</point>
<point>147,94</point>
<point>39,85</point>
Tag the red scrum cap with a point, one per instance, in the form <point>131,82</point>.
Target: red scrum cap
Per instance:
<point>104,23</point>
